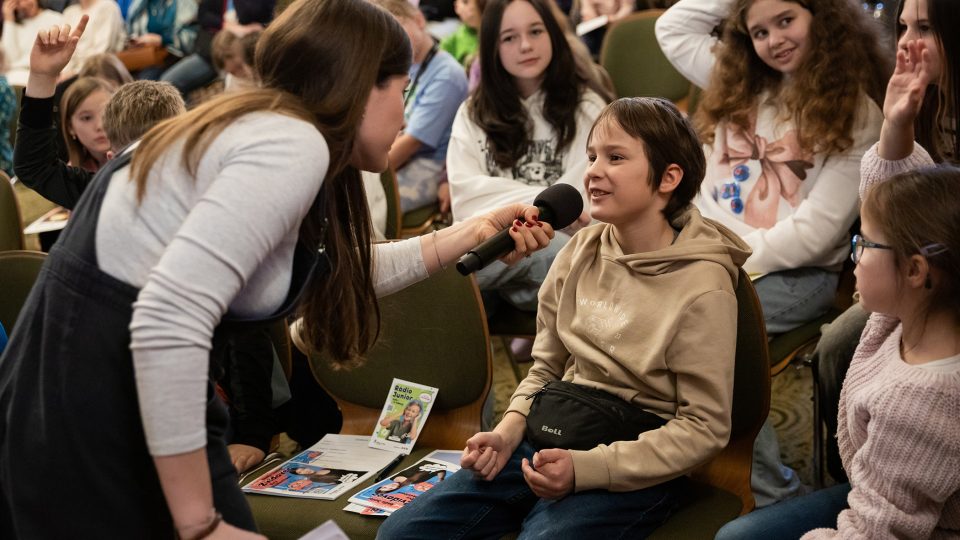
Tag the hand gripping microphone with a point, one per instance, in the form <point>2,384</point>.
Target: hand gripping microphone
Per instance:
<point>559,205</point>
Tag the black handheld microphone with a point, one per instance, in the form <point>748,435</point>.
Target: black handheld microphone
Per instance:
<point>559,205</point>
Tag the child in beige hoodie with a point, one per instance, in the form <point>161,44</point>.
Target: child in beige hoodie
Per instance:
<point>641,306</point>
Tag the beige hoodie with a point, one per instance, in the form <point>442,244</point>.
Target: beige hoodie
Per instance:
<point>657,329</point>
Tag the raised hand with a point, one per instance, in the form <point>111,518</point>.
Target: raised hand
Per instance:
<point>905,91</point>
<point>907,86</point>
<point>54,47</point>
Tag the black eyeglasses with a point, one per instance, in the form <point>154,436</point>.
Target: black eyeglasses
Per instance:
<point>858,243</point>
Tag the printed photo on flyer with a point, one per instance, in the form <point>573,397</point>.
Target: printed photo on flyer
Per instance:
<point>404,413</point>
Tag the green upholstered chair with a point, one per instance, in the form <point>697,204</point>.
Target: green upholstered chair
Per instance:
<point>800,342</point>
<point>11,226</point>
<point>18,92</point>
<point>432,333</point>
<point>631,55</point>
<point>509,323</point>
<point>421,220</point>
<point>18,272</point>
<point>721,488</point>
<point>388,179</point>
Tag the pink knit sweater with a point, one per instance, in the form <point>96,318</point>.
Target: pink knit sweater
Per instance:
<point>898,428</point>
<point>899,434</point>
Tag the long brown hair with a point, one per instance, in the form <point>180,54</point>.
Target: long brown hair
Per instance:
<point>80,90</point>
<point>317,61</point>
<point>941,104</point>
<point>823,96</point>
<point>496,106</point>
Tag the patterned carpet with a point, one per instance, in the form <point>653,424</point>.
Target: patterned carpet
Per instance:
<point>791,409</point>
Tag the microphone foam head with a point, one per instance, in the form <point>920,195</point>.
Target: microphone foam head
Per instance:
<point>561,203</point>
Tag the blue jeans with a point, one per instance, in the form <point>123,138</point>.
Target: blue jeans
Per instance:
<point>793,297</point>
<point>465,507</point>
<point>418,181</point>
<point>789,299</point>
<point>790,519</point>
<point>519,284</point>
<point>189,74</point>
<point>838,342</point>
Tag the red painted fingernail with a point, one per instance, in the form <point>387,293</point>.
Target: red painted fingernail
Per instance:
<point>539,224</point>
<point>536,218</point>
<point>514,229</point>
<point>528,224</point>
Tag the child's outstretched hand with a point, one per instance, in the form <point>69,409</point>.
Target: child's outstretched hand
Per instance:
<point>551,474</point>
<point>54,47</point>
<point>908,85</point>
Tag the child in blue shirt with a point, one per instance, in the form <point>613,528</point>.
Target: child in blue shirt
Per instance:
<point>438,85</point>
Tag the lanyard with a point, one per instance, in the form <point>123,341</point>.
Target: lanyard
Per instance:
<point>423,67</point>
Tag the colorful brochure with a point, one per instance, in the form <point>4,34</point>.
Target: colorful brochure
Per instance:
<point>402,487</point>
<point>326,470</point>
<point>404,414</point>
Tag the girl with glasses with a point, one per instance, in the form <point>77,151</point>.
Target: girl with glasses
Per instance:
<point>919,129</point>
<point>898,430</point>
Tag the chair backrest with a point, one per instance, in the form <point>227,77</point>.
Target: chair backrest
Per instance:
<point>432,333</point>
<point>632,56</point>
<point>388,179</point>
<point>15,117</point>
<point>18,272</point>
<point>11,226</point>
<point>730,470</point>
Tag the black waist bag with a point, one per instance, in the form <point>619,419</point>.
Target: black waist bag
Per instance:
<point>576,417</point>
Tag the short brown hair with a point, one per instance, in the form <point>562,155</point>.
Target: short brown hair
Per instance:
<point>137,107</point>
<point>667,137</point>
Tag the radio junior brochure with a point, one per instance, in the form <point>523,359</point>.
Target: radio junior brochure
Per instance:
<point>326,470</point>
<point>404,414</point>
<point>400,488</point>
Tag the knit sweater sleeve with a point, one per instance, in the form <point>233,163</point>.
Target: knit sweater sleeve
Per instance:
<point>874,169</point>
<point>685,34</point>
<point>907,468</point>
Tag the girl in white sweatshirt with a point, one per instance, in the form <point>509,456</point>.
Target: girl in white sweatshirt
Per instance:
<point>523,130</point>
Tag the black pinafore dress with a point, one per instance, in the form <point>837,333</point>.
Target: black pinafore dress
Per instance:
<point>73,456</point>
